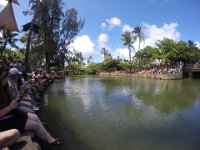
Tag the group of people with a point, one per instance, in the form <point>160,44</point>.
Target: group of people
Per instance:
<point>19,95</point>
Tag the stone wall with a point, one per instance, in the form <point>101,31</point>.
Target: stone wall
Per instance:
<point>167,76</point>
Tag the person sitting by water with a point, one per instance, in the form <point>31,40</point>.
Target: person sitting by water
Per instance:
<point>30,89</point>
<point>8,137</point>
<point>12,118</point>
<point>34,90</point>
<point>14,75</point>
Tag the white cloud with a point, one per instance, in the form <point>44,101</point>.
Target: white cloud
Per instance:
<point>127,28</point>
<point>111,23</point>
<point>103,25</point>
<point>114,21</point>
<point>122,53</point>
<point>102,40</point>
<point>136,45</point>
<point>84,44</point>
<point>154,33</point>
<point>197,44</point>
<point>2,4</point>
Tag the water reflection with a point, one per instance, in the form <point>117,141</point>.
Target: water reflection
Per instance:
<point>137,103</point>
<point>84,92</point>
<point>117,113</point>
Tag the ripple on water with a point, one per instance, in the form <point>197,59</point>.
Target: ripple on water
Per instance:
<point>128,113</point>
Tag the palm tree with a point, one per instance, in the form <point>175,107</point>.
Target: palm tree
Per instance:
<point>105,53</point>
<point>138,34</point>
<point>191,43</point>
<point>128,41</point>
<point>23,38</point>
<point>8,38</point>
<point>89,60</point>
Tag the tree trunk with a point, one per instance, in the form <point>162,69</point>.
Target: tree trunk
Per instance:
<point>3,49</point>
<point>47,66</point>
<point>129,48</point>
<point>139,43</point>
<point>27,53</point>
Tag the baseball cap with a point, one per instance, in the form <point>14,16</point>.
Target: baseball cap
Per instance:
<point>14,71</point>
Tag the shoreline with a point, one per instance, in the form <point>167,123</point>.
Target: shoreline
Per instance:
<point>160,76</point>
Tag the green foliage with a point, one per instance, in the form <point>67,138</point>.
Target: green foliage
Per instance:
<point>57,30</point>
<point>37,56</point>
<point>128,40</point>
<point>147,56</point>
<point>13,54</point>
<point>167,52</point>
<point>106,54</point>
<point>76,69</point>
<point>90,60</point>
<point>116,65</point>
<point>138,34</point>
<point>127,65</point>
<point>8,38</point>
<point>172,51</point>
<point>47,15</point>
<point>92,68</point>
<point>70,27</point>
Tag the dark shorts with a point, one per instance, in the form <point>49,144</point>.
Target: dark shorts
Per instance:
<point>16,121</point>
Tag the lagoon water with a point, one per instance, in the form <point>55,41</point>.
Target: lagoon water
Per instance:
<point>123,113</point>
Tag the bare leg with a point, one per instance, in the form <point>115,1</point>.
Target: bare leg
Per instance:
<point>34,123</point>
<point>9,137</point>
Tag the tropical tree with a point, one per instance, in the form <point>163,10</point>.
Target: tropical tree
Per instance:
<point>194,51</point>
<point>148,56</point>
<point>70,27</point>
<point>73,56</point>
<point>76,68</point>
<point>94,68</point>
<point>49,14</point>
<point>128,41</point>
<point>51,18</point>
<point>35,9</point>
<point>57,31</point>
<point>8,38</point>
<point>90,60</point>
<point>37,56</point>
<point>17,55</point>
<point>138,34</point>
<point>105,53</point>
<point>168,49</point>
<point>190,43</point>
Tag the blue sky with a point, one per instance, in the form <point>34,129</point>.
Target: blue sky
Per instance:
<point>105,21</point>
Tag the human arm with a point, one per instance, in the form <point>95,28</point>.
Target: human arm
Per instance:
<point>14,103</point>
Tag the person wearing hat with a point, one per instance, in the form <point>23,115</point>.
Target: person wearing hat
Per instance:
<point>18,65</point>
<point>26,101</point>
<point>10,136</point>
<point>14,77</point>
<point>12,118</point>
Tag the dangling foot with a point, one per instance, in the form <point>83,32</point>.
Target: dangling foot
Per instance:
<point>55,142</point>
